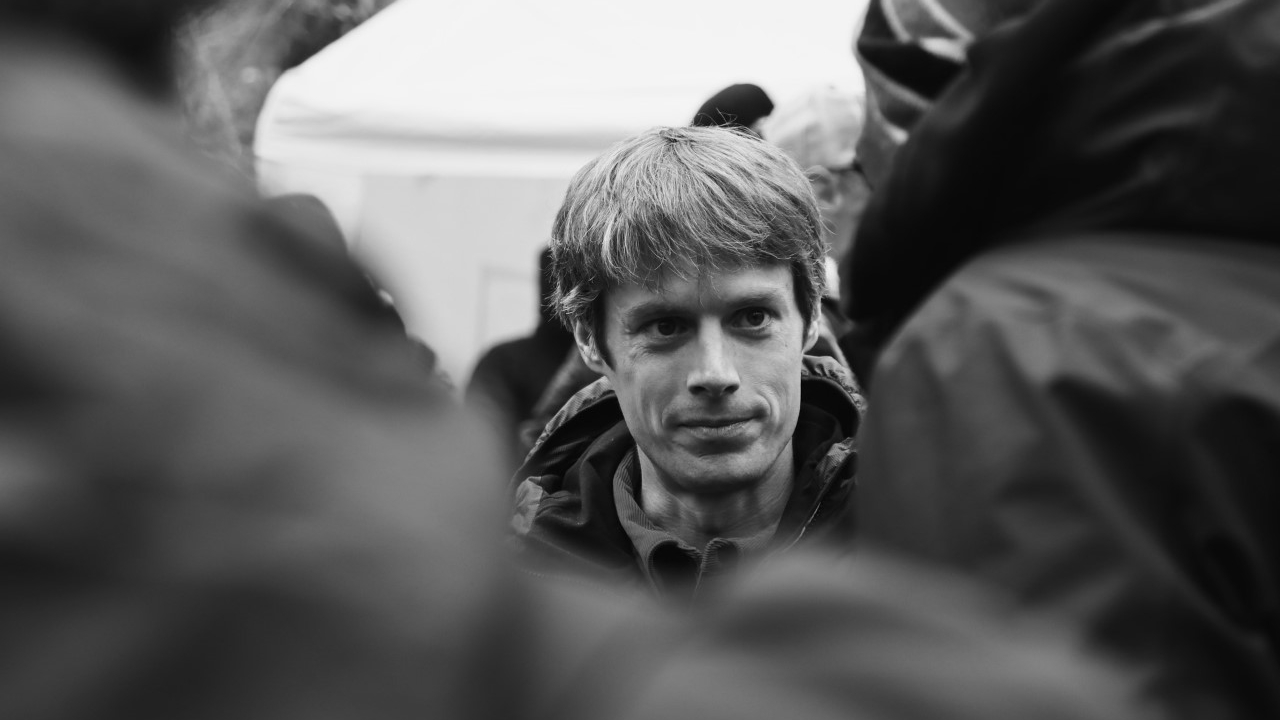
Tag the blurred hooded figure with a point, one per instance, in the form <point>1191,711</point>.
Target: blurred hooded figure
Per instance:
<point>228,490</point>
<point>1071,261</point>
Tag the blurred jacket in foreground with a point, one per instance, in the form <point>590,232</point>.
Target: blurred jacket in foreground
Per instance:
<point>1075,258</point>
<point>229,492</point>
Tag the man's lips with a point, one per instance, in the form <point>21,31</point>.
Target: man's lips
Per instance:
<point>714,422</point>
<point>717,429</point>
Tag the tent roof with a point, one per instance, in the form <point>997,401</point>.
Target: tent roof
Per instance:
<point>538,86</point>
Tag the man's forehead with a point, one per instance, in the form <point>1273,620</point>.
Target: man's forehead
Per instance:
<point>771,281</point>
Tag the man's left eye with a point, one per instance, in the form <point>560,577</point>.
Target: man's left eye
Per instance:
<point>666,328</point>
<point>754,318</point>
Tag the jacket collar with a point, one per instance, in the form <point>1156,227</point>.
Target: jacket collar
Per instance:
<point>564,493</point>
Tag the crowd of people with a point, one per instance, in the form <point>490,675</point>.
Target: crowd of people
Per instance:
<point>957,399</point>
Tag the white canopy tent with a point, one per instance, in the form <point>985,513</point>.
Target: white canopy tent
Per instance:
<point>443,134</point>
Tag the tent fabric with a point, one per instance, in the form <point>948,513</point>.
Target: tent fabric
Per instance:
<point>539,87</point>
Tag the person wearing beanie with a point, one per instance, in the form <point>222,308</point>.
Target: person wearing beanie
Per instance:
<point>740,105</point>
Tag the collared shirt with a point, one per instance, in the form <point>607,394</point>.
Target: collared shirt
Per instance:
<point>669,563</point>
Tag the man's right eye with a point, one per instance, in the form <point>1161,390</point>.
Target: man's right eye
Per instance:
<point>665,328</point>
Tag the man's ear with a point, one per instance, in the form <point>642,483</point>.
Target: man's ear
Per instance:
<point>811,332</point>
<point>587,348</point>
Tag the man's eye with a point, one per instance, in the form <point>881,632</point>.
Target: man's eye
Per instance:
<point>756,318</point>
<point>665,328</point>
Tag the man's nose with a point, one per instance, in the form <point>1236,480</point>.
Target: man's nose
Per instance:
<point>714,372</point>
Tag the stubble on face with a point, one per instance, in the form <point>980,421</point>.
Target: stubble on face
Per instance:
<point>707,372</point>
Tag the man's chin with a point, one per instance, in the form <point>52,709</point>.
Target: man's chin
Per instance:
<point>719,474</point>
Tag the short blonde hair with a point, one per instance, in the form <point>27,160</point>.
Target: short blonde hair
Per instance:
<point>683,201</point>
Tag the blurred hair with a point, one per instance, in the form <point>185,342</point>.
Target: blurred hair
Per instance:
<point>137,35</point>
<point>683,201</point>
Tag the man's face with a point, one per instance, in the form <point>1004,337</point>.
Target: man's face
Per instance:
<point>708,374</point>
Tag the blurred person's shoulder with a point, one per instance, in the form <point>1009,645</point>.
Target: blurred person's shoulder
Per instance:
<point>100,186</point>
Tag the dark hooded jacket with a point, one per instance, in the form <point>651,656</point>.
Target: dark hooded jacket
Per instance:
<point>1074,265</point>
<point>566,520</point>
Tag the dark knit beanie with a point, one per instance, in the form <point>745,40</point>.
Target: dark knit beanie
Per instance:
<point>737,105</point>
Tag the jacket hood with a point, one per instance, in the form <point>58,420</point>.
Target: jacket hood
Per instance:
<point>1069,117</point>
<point>565,486</point>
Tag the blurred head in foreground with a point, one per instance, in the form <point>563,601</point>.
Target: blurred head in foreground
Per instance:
<point>137,36</point>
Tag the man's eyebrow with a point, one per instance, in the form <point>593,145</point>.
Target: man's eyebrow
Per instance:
<point>660,306</point>
<point>761,297</point>
<point>649,308</point>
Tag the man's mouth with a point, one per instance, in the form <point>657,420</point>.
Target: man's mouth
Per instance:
<point>715,429</point>
<point>715,422</point>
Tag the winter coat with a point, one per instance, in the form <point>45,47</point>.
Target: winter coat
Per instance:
<point>566,521</point>
<point>1075,263</point>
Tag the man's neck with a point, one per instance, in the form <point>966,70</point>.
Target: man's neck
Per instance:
<point>698,519</point>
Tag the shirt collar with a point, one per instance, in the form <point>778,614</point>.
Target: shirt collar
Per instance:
<point>666,560</point>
